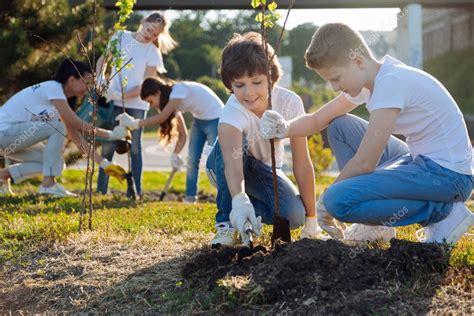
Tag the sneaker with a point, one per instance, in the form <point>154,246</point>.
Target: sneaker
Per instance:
<point>450,229</point>
<point>360,232</point>
<point>56,190</point>
<point>189,200</point>
<point>6,188</point>
<point>224,235</point>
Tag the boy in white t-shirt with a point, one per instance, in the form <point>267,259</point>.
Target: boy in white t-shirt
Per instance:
<point>240,162</point>
<point>384,181</point>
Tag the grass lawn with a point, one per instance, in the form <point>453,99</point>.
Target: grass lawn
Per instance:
<point>132,258</point>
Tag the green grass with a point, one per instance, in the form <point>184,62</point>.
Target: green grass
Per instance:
<point>31,223</point>
<point>29,220</point>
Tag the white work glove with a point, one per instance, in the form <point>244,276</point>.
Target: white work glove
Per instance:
<point>176,161</point>
<point>311,228</point>
<point>119,132</point>
<point>273,125</point>
<point>243,211</point>
<point>112,95</point>
<point>128,121</point>
<point>327,222</point>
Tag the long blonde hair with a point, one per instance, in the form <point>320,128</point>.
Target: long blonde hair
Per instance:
<point>165,43</point>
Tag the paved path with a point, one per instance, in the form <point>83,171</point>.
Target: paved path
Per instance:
<point>156,158</point>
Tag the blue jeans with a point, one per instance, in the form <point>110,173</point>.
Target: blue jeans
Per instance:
<point>401,191</point>
<point>201,130</point>
<point>259,187</point>
<point>108,150</point>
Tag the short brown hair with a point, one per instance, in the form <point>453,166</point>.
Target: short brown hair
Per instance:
<point>244,55</point>
<point>335,44</point>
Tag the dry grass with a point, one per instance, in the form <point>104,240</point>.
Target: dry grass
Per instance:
<point>93,274</point>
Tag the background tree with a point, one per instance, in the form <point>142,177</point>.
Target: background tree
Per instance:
<point>27,59</point>
<point>294,45</point>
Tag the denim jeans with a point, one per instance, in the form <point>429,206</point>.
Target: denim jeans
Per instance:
<point>401,191</point>
<point>108,149</point>
<point>23,143</point>
<point>259,187</point>
<point>201,130</point>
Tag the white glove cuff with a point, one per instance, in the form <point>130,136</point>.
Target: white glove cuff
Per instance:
<point>104,163</point>
<point>110,135</point>
<point>135,124</point>
<point>239,199</point>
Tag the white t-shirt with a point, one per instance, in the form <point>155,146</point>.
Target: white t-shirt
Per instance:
<point>429,118</point>
<point>197,99</point>
<point>32,104</point>
<point>142,55</point>
<point>284,101</point>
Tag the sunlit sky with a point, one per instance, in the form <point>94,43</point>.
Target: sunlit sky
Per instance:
<point>359,19</point>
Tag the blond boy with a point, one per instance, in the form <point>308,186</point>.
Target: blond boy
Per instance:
<point>384,181</point>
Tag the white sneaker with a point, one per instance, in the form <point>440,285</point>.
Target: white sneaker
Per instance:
<point>6,188</point>
<point>224,235</point>
<point>360,232</point>
<point>190,200</point>
<point>56,190</point>
<point>450,229</point>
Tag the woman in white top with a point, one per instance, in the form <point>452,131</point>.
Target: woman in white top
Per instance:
<point>42,113</point>
<point>175,97</point>
<point>143,49</point>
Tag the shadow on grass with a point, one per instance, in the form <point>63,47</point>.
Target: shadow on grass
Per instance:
<point>33,204</point>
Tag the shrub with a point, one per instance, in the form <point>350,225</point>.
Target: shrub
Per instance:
<point>321,157</point>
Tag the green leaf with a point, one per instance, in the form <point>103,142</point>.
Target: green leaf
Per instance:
<point>259,17</point>
<point>272,6</point>
<point>255,3</point>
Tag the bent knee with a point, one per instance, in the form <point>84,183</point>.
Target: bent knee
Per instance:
<point>337,204</point>
<point>297,215</point>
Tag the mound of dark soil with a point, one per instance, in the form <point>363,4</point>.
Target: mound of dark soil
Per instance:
<point>327,276</point>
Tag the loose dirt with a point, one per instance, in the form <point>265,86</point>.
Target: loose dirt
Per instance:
<point>313,276</point>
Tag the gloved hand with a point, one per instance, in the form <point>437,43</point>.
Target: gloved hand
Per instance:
<point>128,121</point>
<point>243,211</point>
<point>327,222</point>
<point>119,132</point>
<point>113,169</point>
<point>311,228</point>
<point>176,161</point>
<point>112,95</point>
<point>273,125</point>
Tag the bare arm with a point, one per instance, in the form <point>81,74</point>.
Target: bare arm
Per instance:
<point>381,124</point>
<point>150,71</point>
<point>170,107</point>
<point>73,122</point>
<point>81,143</point>
<point>304,173</point>
<point>182,133</point>
<point>230,141</point>
<point>315,122</point>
